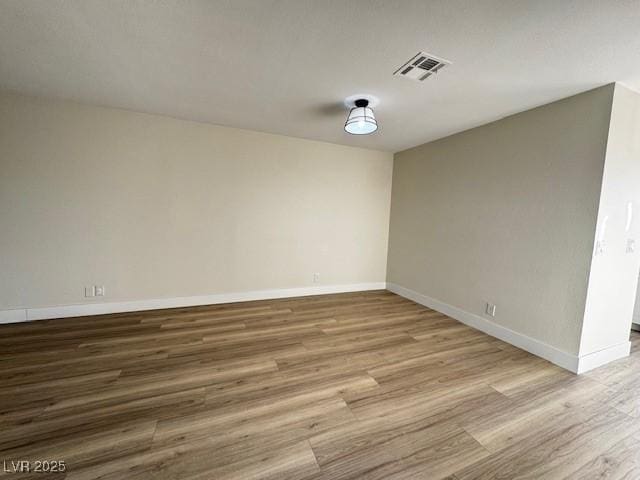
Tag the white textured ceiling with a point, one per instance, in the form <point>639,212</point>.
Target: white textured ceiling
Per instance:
<point>285,66</point>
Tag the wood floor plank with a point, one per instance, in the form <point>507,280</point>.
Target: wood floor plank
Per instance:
<point>182,459</point>
<point>620,462</point>
<point>96,446</point>
<point>245,421</point>
<point>557,453</point>
<point>534,416</point>
<point>382,449</point>
<point>293,462</point>
<point>52,426</point>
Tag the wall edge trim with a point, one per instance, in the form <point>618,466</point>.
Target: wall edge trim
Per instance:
<point>601,357</point>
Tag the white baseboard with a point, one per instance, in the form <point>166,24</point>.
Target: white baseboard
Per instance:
<point>563,359</point>
<point>601,357</point>
<point>62,311</point>
<point>13,316</point>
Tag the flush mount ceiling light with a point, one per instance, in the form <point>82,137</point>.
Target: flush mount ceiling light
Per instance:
<point>361,120</point>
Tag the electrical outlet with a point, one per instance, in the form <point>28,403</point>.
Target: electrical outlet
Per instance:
<point>490,309</point>
<point>99,290</point>
<point>316,277</point>
<point>90,291</point>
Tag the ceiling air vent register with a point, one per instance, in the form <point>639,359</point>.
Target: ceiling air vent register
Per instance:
<point>422,66</point>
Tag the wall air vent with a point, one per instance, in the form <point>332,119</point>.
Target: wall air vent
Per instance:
<point>422,66</point>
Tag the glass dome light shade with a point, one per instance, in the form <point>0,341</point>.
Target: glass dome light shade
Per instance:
<point>361,121</point>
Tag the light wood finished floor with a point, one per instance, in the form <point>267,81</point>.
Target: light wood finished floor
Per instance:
<point>350,386</point>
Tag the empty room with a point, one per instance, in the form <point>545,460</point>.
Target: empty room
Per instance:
<point>319,239</point>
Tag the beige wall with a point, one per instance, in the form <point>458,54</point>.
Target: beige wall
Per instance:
<point>614,270</point>
<point>153,207</point>
<point>506,213</point>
